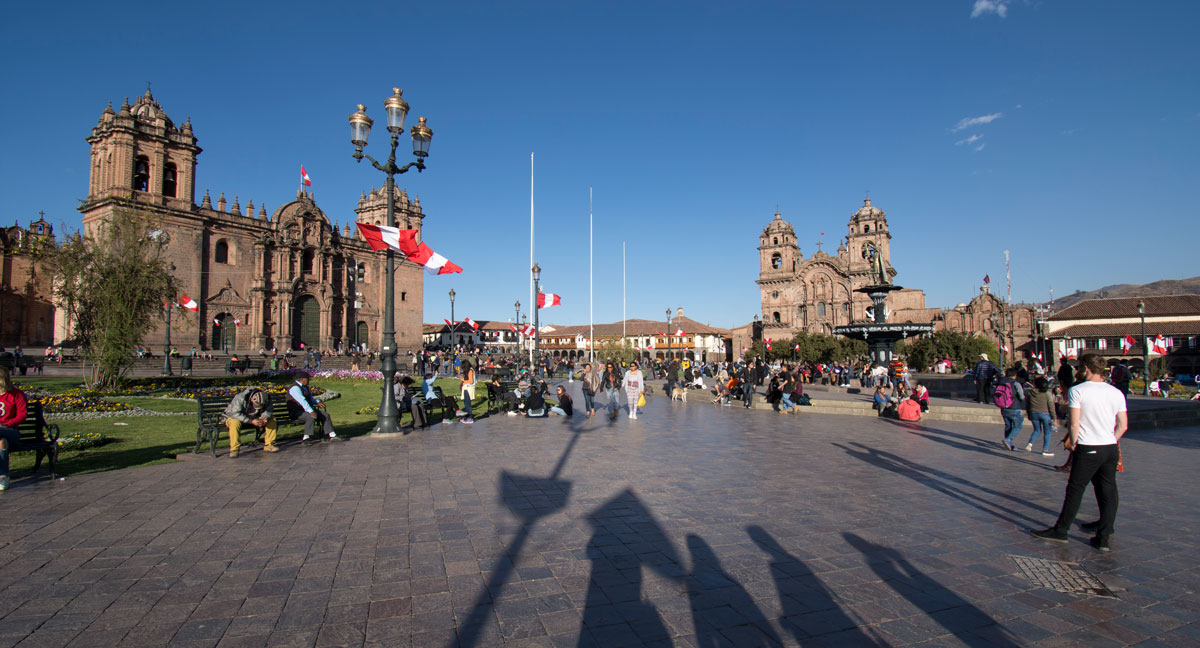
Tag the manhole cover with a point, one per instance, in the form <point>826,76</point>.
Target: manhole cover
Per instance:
<point>1065,577</point>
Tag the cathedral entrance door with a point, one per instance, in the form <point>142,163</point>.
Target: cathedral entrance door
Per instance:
<point>306,323</point>
<point>360,337</point>
<point>224,333</point>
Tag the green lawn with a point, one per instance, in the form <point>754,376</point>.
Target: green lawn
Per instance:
<point>148,440</point>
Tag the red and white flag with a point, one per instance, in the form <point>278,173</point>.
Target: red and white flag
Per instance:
<point>189,303</point>
<point>546,300</point>
<point>529,330</point>
<point>679,332</point>
<point>216,322</point>
<point>514,328</point>
<point>1127,343</point>
<point>798,346</point>
<point>448,323</point>
<point>651,345</point>
<point>1158,345</point>
<point>304,177</point>
<point>471,323</point>
<point>987,279</point>
<point>1004,347</point>
<point>768,344</point>
<point>382,237</point>
<point>1065,351</point>
<point>237,322</point>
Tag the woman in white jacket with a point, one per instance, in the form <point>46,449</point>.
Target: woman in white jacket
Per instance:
<point>634,384</point>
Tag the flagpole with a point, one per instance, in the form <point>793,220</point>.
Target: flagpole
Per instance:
<point>622,292</point>
<point>1008,277</point>
<point>532,297</point>
<point>591,289</point>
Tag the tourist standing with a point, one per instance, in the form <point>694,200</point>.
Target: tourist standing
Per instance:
<point>1040,407</point>
<point>14,407</point>
<point>1098,420</point>
<point>1066,375</point>
<point>1119,377</point>
<point>611,381</point>
<point>591,385</point>
<point>634,384</point>
<point>983,373</point>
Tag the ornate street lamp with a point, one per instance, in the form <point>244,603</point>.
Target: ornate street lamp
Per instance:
<point>453,329</point>
<point>1145,351</point>
<point>537,291</point>
<point>517,323</point>
<point>167,341</point>
<point>668,336</point>
<point>396,109</point>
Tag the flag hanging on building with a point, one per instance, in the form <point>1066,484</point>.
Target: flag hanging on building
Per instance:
<point>304,177</point>
<point>448,323</point>
<point>1127,343</point>
<point>768,344</point>
<point>216,322</point>
<point>189,303</point>
<point>382,237</point>
<point>471,323</point>
<point>1158,345</point>
<point>546,300</point>
<point>679,332</point>
<point>237,322</point>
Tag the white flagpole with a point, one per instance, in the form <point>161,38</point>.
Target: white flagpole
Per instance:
<point>591,290</point>
<point>529,268</point>
<point>622,292</point>
<point>1008,277</point>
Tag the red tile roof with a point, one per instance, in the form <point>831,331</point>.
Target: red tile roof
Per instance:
<point>1166,305</point>
<point>1134,329</point>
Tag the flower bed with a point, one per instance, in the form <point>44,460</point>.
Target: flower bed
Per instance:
<point>77,400</point>
<point>82,441</point>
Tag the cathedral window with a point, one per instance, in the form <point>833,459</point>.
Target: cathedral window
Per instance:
<point>775,241</point>
<point>866,228</point>
<point>307,264</point>
<point>775,294</point>
<point>169,177</point>
<point>820,309</point>
<point>141,173</point>
<point>775,316</point>
<point>221,252</point>
<point>776,261</point>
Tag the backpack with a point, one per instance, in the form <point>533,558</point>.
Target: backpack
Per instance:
<point>1004,396</point>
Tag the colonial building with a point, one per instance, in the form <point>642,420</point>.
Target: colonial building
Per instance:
<point>650,339</point>
<point>26,303</point>
<point>287,275</point>
<point>1099,325</point>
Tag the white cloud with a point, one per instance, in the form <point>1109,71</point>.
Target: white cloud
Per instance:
<point>967,122</point>
<point>1070,131</point>
<point>970,140</point>
<point>998,7</point>
<point>980,147</point>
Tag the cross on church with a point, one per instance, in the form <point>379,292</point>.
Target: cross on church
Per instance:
<point>41,215</point>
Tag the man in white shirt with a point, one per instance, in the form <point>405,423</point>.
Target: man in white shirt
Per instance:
<point>1098,420</point>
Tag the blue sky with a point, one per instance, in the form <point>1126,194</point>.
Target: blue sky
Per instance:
<point>1065,132</point>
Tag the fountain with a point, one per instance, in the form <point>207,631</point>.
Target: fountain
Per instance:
<point>880,336</point>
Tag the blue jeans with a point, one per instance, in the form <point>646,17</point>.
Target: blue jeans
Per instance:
<point>1013,420</point>
<point>613,404</point>
<point>1041,425</point>
<point>589,401</point>
<point>785,402</point>
<point>13,436</point>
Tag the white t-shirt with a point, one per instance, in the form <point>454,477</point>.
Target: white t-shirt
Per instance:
<point>1098,404</point>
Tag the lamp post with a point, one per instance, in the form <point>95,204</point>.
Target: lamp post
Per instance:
<point>453,328</point>
<point>998,324</point>
<point>537,291</point>
<point>1145,351</point>
<point>517,323</point>
<point>668,336</point>
<point>360,127</point>
<point>166,347</point>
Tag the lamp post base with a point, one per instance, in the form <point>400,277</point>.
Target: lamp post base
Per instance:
<point>387,426</point>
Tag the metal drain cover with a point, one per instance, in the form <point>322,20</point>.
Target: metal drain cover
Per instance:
<point>1064,577</point>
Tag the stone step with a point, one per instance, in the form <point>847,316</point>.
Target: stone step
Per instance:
<point>863,408</point>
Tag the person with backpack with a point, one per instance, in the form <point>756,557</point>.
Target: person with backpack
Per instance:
<point>1009,396</point>
<point>983,373</point>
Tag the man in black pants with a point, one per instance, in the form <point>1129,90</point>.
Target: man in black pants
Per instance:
<point>984,372</point>
<point>1098,420</point>
<point>305,409</point>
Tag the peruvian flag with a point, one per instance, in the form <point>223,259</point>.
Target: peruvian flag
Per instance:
<point>448,323</point>
<point>237,322</point>
<point>768,344</point>
<point>1127,343</point>
<point>651,345</point>
<point>1004,347</point>
<point>546,300</point>
<point>1158,345</point>
<point>514,328</point>
<point>987,279</point>
<point>798,346</point>
<point>304,177</point>
<point>1065,351</point>
<point>189,303</point>
<point>529,330</point>
<point>679,332</point>
<point>471,323</point>
<point>216,322</point>
<point>382,237</point>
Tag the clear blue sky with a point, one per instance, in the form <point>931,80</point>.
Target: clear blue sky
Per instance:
<point>692,121</point>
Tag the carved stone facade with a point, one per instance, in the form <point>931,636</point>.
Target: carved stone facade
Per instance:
<point>289,278</point>
<point>815,295</point>
<point>26,303</point>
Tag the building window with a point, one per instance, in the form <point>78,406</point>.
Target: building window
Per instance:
<point>306,267</point>
<point>776,261</point>
<point>169,176</point>
<point>221,253</point>
<point>141,173</point>
<point>820,309</point>
<point>775,316</point>
<point>866,228</point>
<point>403,295</point>
<point>362,272</point>
<point>775,241</point>
<point>775,294</point>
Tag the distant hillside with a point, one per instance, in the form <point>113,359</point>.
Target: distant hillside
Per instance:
<point>1165,287</point>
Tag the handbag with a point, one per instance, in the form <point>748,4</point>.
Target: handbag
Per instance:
<point>641,400</point>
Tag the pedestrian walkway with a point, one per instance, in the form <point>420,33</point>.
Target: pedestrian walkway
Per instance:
<point>690,526</point>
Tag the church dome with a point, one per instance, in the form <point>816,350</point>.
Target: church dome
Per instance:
<point>868,211</point>
<point>147,109</point>
<point>778,226</point>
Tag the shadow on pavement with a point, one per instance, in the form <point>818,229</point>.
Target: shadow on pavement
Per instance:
<point>964,442</point>
<point>723,612</point>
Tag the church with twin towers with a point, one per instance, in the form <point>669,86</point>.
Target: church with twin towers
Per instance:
<point>282,278</point>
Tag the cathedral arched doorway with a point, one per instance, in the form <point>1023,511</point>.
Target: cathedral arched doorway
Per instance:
<point>360,335</point>
<point>306,323</point>
<point>224,333</point>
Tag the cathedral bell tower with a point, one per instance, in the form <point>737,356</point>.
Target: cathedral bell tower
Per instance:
<point>140,155</point>
<point>869,223</point>
<point>778,252</point>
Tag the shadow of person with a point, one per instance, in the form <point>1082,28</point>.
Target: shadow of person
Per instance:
<point>959,617</point>
<point>723,612</point>
<point>809,608</point>
<point>625,538</point>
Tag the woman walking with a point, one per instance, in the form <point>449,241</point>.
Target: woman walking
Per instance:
<point>634,384</point>
<point>591,385</point>
<point>1040,407</point>
<point>611,381</point>
<point>468,391</point>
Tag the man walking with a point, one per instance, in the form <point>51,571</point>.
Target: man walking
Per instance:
<point>984,372</point>
<point>305,409</point>
<point>1098,420</point>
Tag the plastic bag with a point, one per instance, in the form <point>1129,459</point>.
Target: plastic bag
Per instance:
<point>641,400</point>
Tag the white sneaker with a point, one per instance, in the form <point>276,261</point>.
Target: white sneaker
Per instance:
<point>1028,447</point>
<point>4,483</point>
<point>1047,454</point>
<point>511,413</point>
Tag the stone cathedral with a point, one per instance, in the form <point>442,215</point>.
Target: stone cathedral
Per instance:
<point>288,276</point>
<point>816,294</point>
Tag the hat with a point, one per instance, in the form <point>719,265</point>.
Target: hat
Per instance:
<point>983,356</point>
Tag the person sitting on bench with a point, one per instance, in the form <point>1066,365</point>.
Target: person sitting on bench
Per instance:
<point>251,406</point>
<point>14,408</point>
<point>305,409</point>
<point>411,402</point>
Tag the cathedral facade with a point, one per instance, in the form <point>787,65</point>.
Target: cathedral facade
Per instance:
<point>284,279</point>
<point>816,294</point>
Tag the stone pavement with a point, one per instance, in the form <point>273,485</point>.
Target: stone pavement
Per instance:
<point>692,526</point>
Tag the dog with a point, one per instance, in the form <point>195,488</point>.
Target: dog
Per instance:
<point>679,394</point>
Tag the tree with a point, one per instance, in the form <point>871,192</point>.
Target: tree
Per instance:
<point>617,352</point>
<point>113,283</point>
<point>963,350</point>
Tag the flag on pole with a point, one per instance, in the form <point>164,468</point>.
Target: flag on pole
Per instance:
<point>471,323</point>
<point>448,323</point>
<point>529,330</point>
<point>189,303</point>
<point>304,177</point>
<point>382,237</point>
<point>546,300</point>
<point>679,332</point>
<point>1158,345</point>
<point>768,344</point>
<point>987,279</point>
<point>216,322</point>
<point>1004,347</point>
<point>237,322</point>
<point>1127,343</point>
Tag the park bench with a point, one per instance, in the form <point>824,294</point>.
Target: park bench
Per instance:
<point>211,419</point>
<point>21,364</point>
<point>236,366</point>
<point>39,436</point>
<point>253,366</point>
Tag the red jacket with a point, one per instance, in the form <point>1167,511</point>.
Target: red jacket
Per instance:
<point>909,410</point>
<point>12,408</point>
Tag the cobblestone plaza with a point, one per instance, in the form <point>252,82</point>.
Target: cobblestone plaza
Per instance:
<point>691,526</point>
